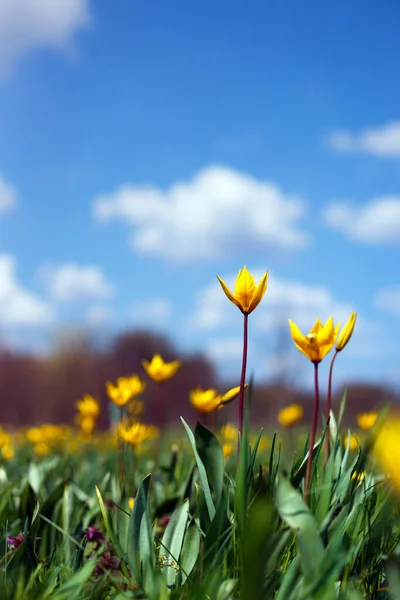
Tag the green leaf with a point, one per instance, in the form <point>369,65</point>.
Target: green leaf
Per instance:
<point>297,515</point>
<point>211,455</point>
<point>190,551</point>
<point>172,541</point>
<point>139,514</point>
<point>74,585</point>
<point>202,472</point>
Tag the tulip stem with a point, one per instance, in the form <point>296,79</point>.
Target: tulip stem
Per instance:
<point>242,381</point>
<point>312,439</point>
<point>328,408</point>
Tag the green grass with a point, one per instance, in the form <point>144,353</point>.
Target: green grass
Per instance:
<point>236,531</point>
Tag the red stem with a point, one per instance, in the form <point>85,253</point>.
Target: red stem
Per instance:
<point>328,408</point>
<point>312,440</point>
<point>242,381</point>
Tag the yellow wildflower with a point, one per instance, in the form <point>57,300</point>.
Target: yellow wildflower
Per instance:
<point>137,433</point>
<point>131,503</point>
<point>354,441</point>
<point>246,295</point>
<point>316,344</point>
<point>290,415</point>
<point>387,447</point>
<point>7,452</point>
<point>206,401</point>
<point>346,332</point>
<point>229,432</point>
<point>42,448</point>
<point>88,406</point>
<point>227,449</point>
<point>367,420</point>
<point>159,370</point>
<point>125,389</point>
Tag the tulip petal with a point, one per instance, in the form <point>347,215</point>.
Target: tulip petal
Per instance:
<point>228,293</point>
<point>259,293</point>
<point>346,332</point>
<point>245,289</point>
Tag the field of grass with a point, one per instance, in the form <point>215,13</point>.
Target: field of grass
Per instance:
<point>202,526</point>
<point>200,513</point>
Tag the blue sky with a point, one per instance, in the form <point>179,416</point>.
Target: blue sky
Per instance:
<point>146,146</point>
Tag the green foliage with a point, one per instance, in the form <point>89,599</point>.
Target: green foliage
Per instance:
<point>202,526</point>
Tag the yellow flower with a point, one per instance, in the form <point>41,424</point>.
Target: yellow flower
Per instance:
<point>346,332</point>
<point>137,433</point>
<point>387,447</point>
<point>354,441</point>
<point>246,295</point>
<point>160,371</point>
<point>229,433</point>
<point>131,503</point>
<point>7,452</point>
<point>290,415</point>
<point>42,448</point>
<point>315,345</point>
<point>88,406</point>
<point>206,401</point>
<point>367,420</point>
<point>125,389</point>
<point>227,450</point>
<point>87,424</point>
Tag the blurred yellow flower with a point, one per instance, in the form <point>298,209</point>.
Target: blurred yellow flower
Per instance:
<point>387,447</point>
<point>346,332</point>
<point>160,371</point>
<point>137,433</point>
<point>88,406</point>
<point>246,295</point>
<point>86,423</point>
<point>354,441</point>
<point>229,432</point>
<point>131,503</point>
<point>290,415</point>
<point>42,448</point>
<point>227,449</point>
<point>316,344</point>
<point>7,451</point>
<point>125,389</point>
<point>206,401</point>
<point>367,420</point>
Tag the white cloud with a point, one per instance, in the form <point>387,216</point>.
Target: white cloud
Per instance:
<point>156,310</point>
<point>218,211</point>
<point>70,282</point>
<point>96,316</point>
<point>19,306</point>
<point>8,195</point>
<point>383,140</point>
<point>29,24</point>
<point>388,300</point>
<point>284,299</point>
<point>377,222</point>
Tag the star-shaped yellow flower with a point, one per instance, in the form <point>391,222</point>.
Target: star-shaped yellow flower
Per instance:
<point>316,344</point>
<point>159,370</point>
<point>246,295</point>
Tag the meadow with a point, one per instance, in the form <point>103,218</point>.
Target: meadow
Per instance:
<point>310,511</point>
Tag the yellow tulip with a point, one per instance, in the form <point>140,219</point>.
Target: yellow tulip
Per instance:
<point>125,389</point>
<point>159,370</point>
<point>387,448</point>
<point>354,441</point>
<point>206,401</point>
<point>346,332</point>
<point>229,432</point>
<point>137,433</point>
<point>88,406</point>
<point>227,450</point>
<point>316,344</point>
<point>246,295</point>
<point>367,420</point>
<point>7,452</point>
<point>290,415</point>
